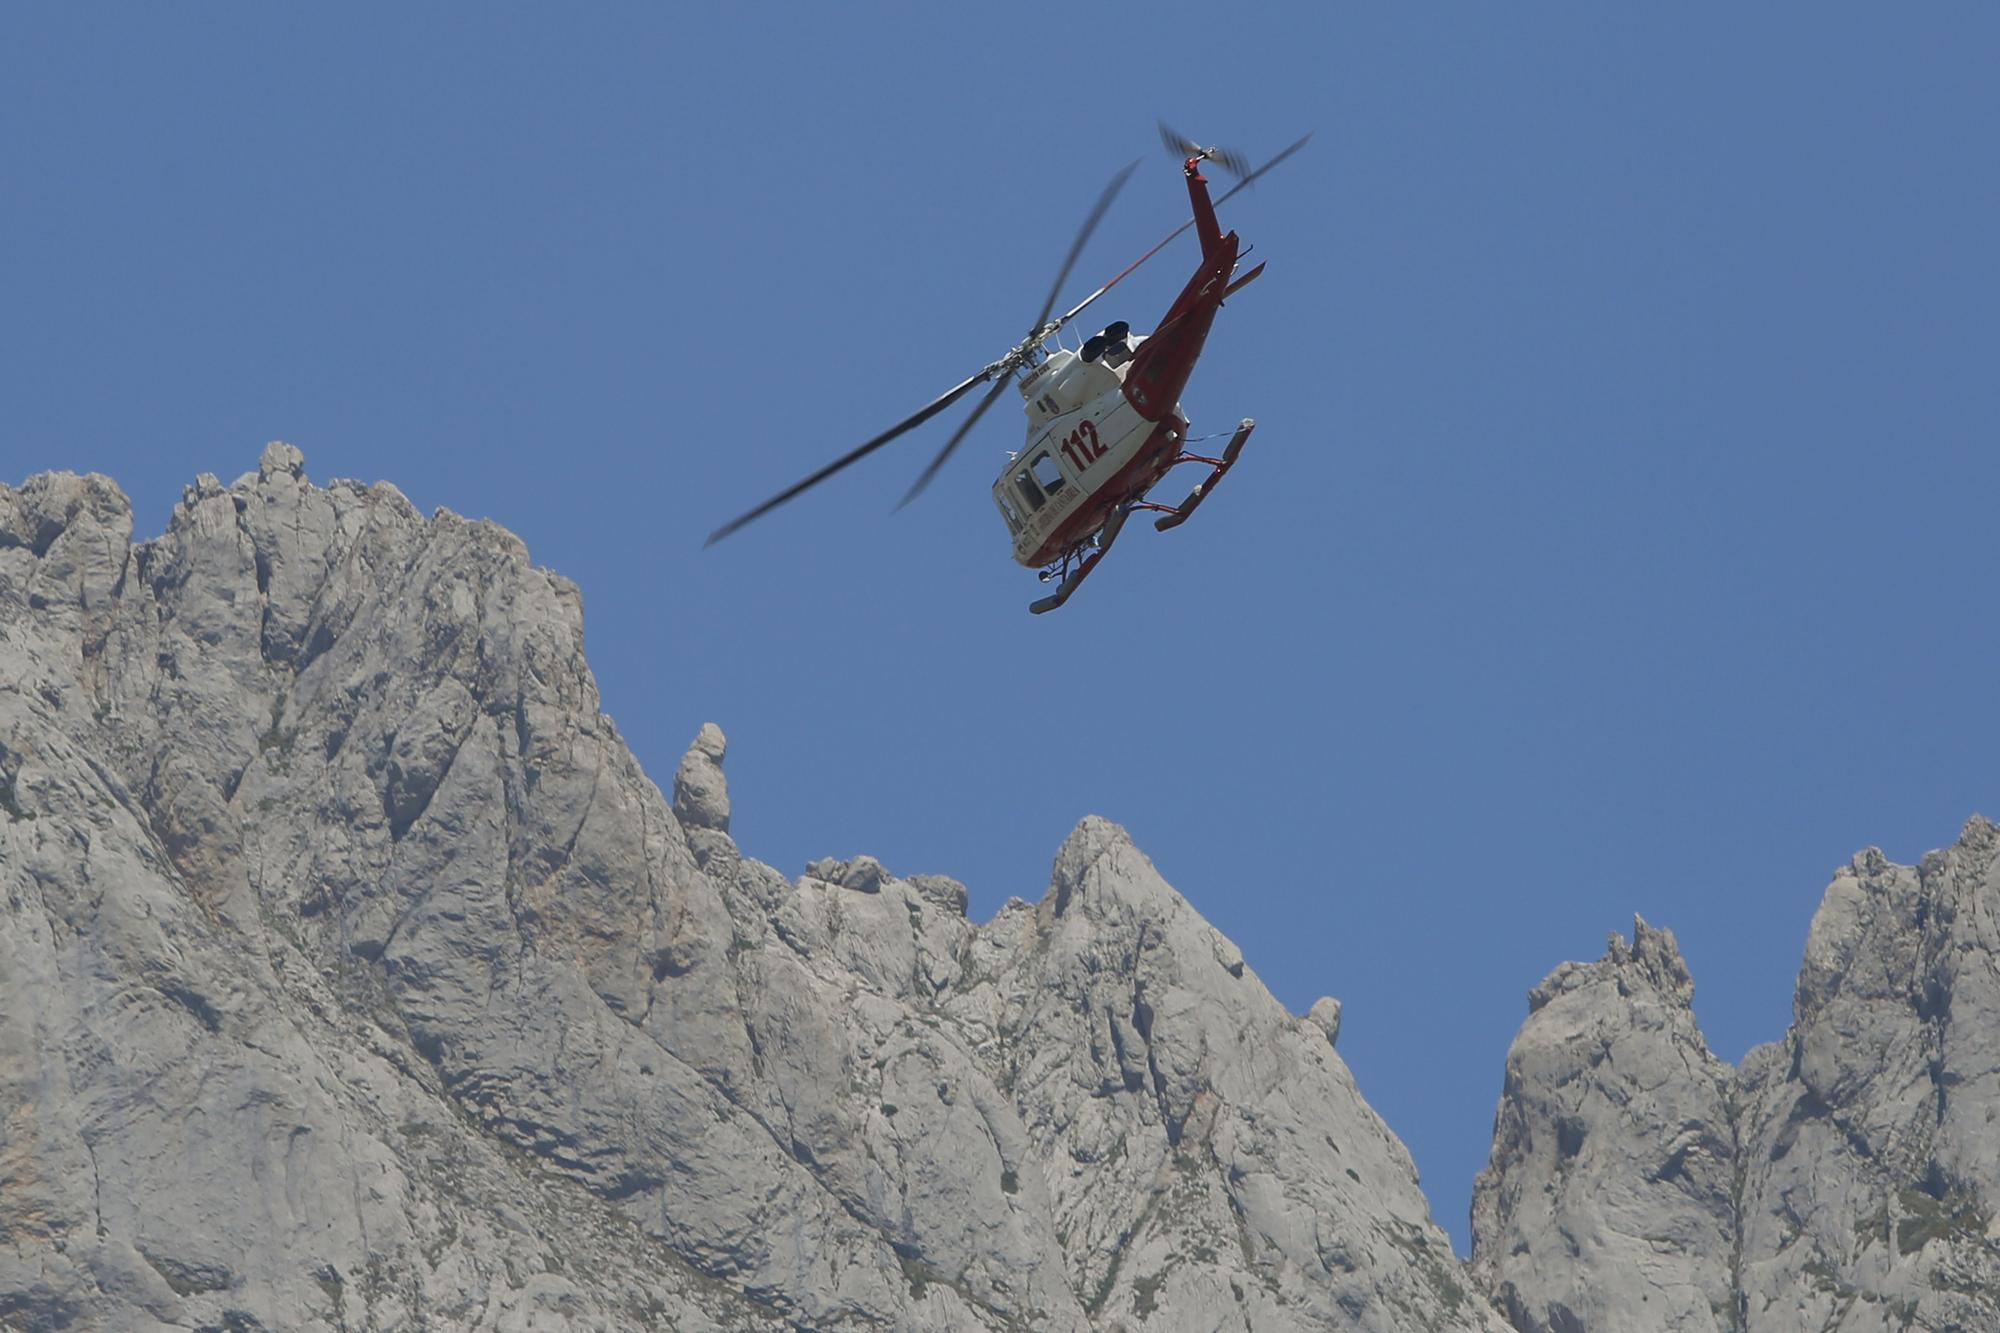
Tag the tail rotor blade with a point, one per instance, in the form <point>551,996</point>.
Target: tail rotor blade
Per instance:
<point>1177,143</point>
<point>1230,161</point>
<point>855,455</point>
<point>964,428</point>
<point>1183,147</point>
<point>1168,134</point>
<point>1252,176</point>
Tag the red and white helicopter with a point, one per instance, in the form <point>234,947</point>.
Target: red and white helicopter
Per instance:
<point>1104,421</point>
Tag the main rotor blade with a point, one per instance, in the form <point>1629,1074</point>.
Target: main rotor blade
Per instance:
<point>1077,309</point>
<point>855,455</point>
<point>1004,368</point>
<point>1076,246</point>
<point>1097,212</point>
<point>964,428</point>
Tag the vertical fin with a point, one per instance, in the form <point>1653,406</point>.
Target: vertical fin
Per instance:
<point>1205,225</point>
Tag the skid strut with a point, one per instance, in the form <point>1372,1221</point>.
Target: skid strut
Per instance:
<point>1105,536</point>
<point>1179,513</point>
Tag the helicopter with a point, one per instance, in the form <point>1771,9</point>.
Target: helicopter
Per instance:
<point>1105,423</point>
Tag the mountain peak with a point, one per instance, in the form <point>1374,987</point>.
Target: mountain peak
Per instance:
<point>1651,961</point>
<point>312,801</point>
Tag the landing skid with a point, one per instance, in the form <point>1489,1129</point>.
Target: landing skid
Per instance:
<point>1179,513</point>
<point>1074,579</point>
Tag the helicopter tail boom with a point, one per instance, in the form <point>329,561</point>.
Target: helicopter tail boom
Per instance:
<point>1164,361</point>
<point>1205,225</point>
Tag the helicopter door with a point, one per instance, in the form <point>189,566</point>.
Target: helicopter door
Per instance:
<point>1048,473</point>
<point>1024,484</point>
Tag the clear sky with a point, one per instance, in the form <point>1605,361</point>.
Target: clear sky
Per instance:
<point>1619,533</point>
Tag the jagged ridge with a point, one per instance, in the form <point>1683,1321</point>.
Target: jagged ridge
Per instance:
<point>355,975</point>
<point>1842,1178</point>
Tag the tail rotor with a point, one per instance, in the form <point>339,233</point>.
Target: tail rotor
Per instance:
<point>1185,148</point>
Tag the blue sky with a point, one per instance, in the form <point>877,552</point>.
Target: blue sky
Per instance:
<point>1618,534</point>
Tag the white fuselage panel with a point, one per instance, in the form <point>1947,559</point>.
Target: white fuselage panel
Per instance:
<point>1070,456</point>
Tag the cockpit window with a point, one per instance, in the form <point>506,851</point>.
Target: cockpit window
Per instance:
<point>1008,510</point>
<point>1030,492</point>
<point>1047,473</point>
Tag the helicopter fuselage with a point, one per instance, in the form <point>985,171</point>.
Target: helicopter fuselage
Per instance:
<point>1102,435</point>
<point>1059,489</point>
<point>1104,420</point>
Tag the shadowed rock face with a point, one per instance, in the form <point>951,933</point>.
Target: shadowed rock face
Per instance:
<point>353,974</point>
<point>1844,1178</point>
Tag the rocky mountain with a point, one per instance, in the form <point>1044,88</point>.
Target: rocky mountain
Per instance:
<point>1843,1178</point>
<point>353,975</point>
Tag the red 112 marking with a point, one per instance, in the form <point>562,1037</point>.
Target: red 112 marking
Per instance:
<point>1083,448</point>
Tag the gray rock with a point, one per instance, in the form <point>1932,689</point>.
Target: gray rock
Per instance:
<point>1207,1163</point>
<point>1841,1178</point>
<point>354,975</point>
<point>701,793</point>
<point>1325,1015</point>
<point>943,892</point>
<point>1608,1203</point>
<point>203,1123</point>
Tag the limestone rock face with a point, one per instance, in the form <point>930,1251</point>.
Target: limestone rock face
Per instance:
<point>701,796</point>
<point>1844,1178</point>
<point>211,1113</point>
<point>353,975</point>
<point>1608,1204</point>
<point>1204,1155</point>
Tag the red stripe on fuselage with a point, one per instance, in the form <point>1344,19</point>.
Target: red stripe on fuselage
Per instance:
<point>1130,482</point>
